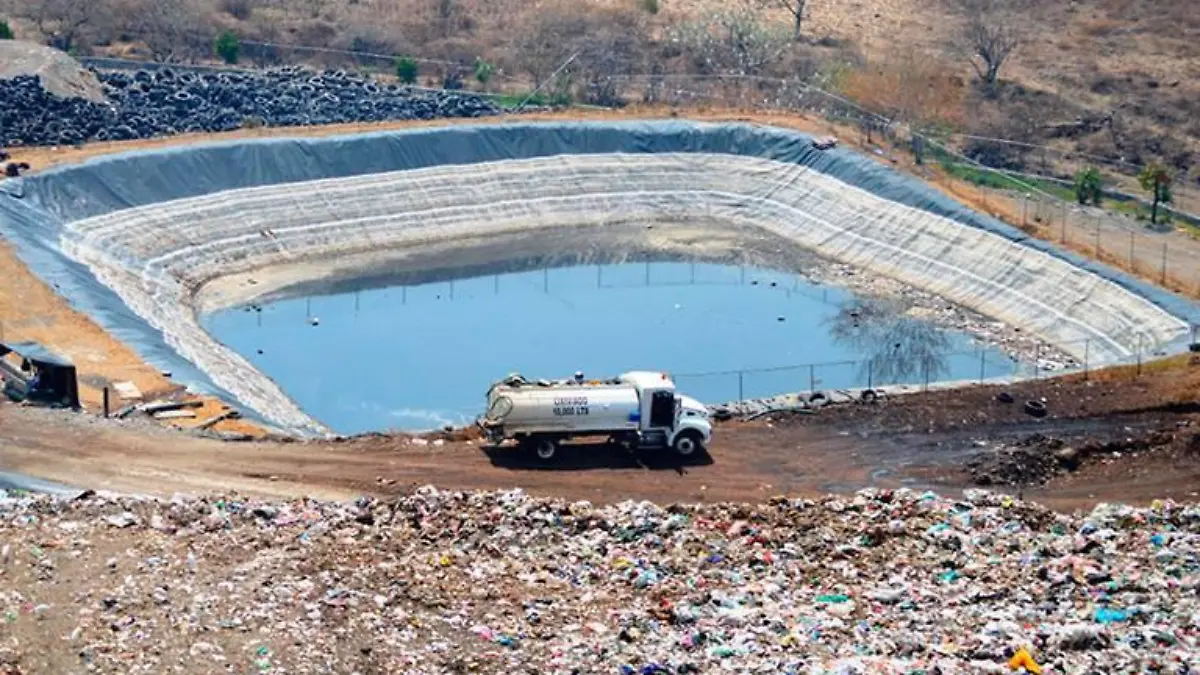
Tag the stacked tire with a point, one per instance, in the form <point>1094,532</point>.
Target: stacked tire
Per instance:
<point>146,104</point>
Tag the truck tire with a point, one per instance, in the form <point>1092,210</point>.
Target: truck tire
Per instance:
<point>545,448</point>
<point>688,443</point>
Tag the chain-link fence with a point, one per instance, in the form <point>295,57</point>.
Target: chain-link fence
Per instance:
<point>982,365</point>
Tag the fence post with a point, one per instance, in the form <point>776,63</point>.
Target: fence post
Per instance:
<point>925,375</point>
<point>106,401</point>
<point>741,390</point>
<point>1097,237</point>
<point>1037,361</point>
<point>982,364</point>
<point>812,378</point>
<point>1025,210</point>
<point>1132,264</point>
<point>1164,264</point>
<point>870,373</point>
<point>1063,231</point>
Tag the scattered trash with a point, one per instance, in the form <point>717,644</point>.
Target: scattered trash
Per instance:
<point>825,142</point>
<point>880,581</point>
<point>1024,660</point>
<point>127,391</point>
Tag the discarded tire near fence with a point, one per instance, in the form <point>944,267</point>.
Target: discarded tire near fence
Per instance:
<point>145,104</point>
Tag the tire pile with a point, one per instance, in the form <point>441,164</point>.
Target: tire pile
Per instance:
<point>145,104</point>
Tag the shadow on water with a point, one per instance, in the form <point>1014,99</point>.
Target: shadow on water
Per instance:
<point>594,456</point>
<point>898,348</point>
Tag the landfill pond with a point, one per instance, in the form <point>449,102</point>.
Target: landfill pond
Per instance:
<point>142,242</point>
<point>449,582</point>
<point>417,357</point>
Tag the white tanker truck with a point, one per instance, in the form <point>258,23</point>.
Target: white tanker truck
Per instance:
<point>639,409</point>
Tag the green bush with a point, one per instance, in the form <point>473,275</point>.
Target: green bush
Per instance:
<point>483,71</point>
<point>651,6</point>
<point>1156,180</point>
<point>5,32</point>
<point>1089,186</point>
<point>228,47</point>
<point>406,69</point>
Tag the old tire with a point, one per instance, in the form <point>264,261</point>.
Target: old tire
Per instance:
<point>1035,408</point>
<point>688,443</point>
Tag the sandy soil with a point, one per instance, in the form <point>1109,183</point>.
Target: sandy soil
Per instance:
<point>922,440</point>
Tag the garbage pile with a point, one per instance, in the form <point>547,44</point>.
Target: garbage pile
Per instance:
<point>145,104</point>
<point>452,582</point>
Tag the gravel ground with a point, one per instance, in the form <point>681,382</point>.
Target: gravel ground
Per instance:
<point>452,582</point>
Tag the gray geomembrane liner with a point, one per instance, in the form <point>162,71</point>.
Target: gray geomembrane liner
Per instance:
<point>136,240</point>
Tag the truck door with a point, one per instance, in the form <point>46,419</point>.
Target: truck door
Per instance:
<point>662,409</point>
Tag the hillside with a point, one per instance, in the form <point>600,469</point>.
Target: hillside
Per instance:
<point>1113,79</point>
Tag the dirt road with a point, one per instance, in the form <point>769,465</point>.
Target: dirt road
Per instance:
<point>920,441</point>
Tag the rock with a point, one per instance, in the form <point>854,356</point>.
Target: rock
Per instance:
<point>121,520</point>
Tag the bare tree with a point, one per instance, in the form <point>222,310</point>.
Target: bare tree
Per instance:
<point>171,30</point>
<point>63,22</point>
<point>793,7</point>
<point>991,34</point>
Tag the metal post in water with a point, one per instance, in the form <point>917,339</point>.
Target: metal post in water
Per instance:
<point>812,378</point>
<point>693,273</point>
<point>741,388</point>
<point>404,295</point>
<point>546,280</point>
<point>356,303</point>
<point>451,289</point>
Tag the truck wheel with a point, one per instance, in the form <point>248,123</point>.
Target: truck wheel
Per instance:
<point>687,443</point>
<point>545,448</point>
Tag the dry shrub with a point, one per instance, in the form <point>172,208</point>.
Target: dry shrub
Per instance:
<point>1102,27</point>
<point>238,9</point>
<point>915,88</point>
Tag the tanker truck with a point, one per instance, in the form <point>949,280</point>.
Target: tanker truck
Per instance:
<point>639,409</point>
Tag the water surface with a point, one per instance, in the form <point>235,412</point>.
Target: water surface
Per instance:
<point>419,357</point>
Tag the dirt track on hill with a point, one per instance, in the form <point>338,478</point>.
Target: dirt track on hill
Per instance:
<point>919,440</point>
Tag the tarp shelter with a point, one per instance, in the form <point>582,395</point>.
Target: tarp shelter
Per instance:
<point>43,375</point>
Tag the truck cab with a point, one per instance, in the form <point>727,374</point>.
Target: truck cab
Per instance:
<point>668,418</point>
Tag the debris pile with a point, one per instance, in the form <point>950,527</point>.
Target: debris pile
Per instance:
<point>1037,458</point>
<point>146,104</point>
<point>446,582</point>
